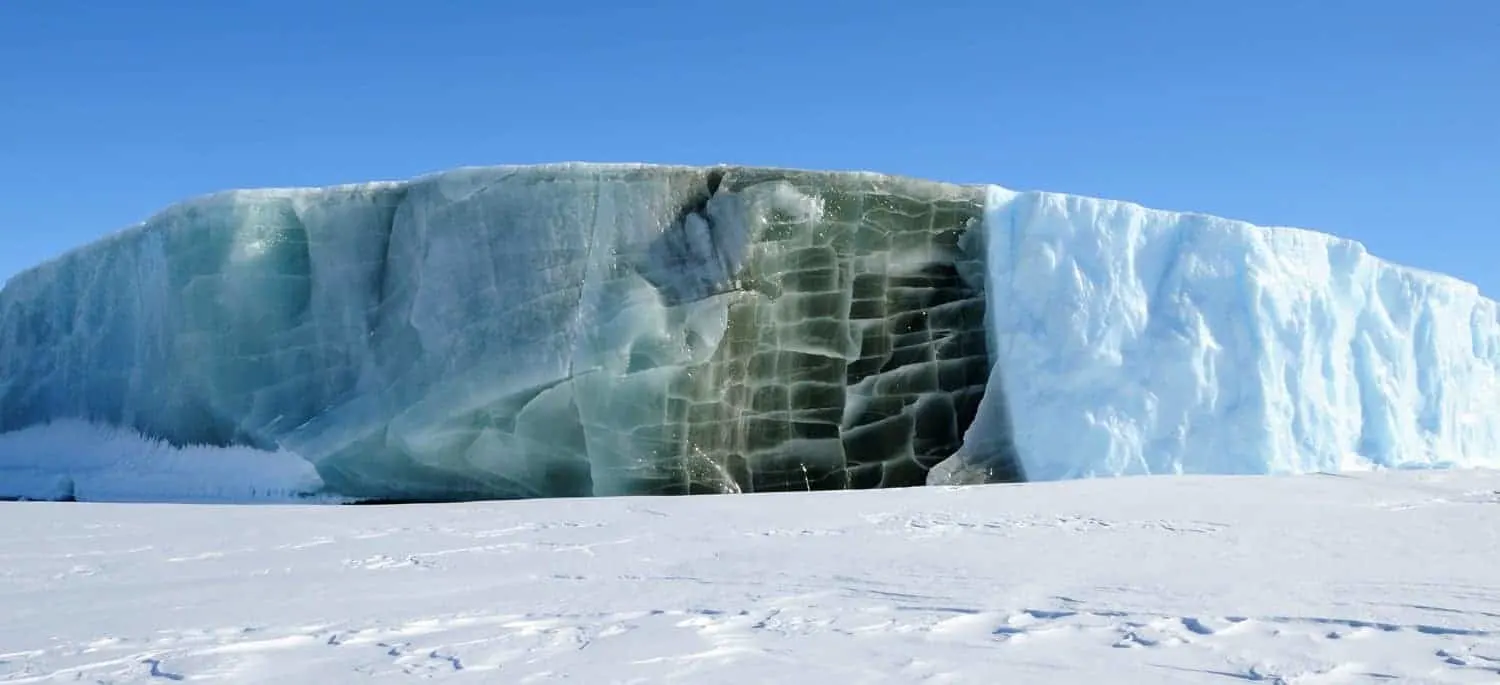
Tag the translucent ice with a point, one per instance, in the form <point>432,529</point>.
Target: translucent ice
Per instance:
<point>560,330</point>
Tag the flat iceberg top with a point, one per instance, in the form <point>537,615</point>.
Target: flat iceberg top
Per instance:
<point>312,195</point>
<point>315,194</point>
<point>1293,235</point>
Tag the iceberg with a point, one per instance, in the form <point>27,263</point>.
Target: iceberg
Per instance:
<point>1130,341</point>
<point>581,329</point>
<point>559,330</point>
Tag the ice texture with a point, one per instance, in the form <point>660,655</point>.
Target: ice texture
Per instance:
<point>1134,341</point>
<point>526,331</point>
<point>569,330</point>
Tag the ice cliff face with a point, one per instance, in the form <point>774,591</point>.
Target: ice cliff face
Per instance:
<point>1134,341</point>
<point>561,330</point>
<point>600,329</point>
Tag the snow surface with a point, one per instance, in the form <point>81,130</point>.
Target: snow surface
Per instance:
<point>1385,577</point>
<point>1134,341</point>
<point>67,460</point>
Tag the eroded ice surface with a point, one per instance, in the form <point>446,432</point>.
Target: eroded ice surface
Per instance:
<point>558,330</point>
<point>1135,341</point>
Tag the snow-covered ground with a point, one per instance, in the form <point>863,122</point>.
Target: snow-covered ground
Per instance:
<point>1314,579</point>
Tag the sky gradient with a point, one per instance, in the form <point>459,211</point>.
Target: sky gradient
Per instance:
<point>1374,120</point>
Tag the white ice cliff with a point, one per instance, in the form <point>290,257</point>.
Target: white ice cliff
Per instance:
<point>611,329</point>
<point>1134,341</point>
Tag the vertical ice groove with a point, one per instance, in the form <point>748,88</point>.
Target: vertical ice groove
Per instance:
<point>1264,350</point>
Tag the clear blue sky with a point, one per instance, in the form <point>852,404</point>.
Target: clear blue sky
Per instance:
<point>1374,120</point>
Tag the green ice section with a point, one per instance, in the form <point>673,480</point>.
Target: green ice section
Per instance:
<point>557,330</point>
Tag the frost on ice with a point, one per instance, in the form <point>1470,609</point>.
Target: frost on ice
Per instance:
<point>609,329</point>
